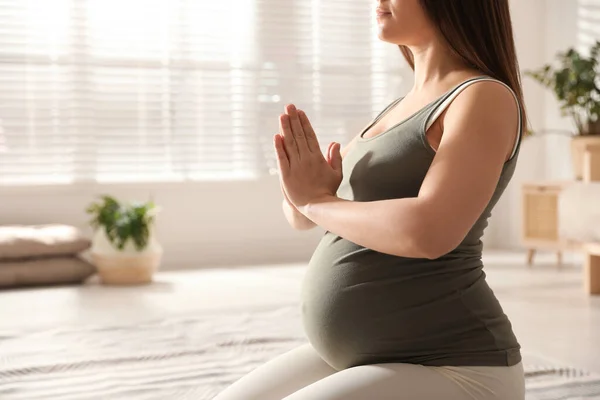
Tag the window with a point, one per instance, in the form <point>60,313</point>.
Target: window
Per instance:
<point>175,90</point>
<point>588,23</point>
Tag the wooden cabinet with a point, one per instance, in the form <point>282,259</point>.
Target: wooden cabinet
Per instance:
<point>541,222</point>
<point>541,219</point>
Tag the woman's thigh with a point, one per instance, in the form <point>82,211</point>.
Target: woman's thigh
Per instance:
<point>415,382</point>
<point>280,377</point>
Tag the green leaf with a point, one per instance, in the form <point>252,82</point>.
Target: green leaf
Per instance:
<point>575,83</point>
<point>123,222</point>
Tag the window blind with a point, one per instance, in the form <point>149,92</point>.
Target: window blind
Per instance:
<point>589,23</point>
<point>175,90</point>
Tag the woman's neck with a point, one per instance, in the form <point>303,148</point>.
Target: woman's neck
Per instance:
<point>433,63</point>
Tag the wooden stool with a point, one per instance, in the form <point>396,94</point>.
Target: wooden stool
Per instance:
<point>540,229</point>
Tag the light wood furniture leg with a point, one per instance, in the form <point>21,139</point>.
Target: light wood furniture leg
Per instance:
<point>530,255</point>
<point>592,273</point>
<point>591,161</point>
<point>559,258</point>
<point>592,251</point>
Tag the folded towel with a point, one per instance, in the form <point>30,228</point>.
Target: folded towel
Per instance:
<point>44,271</point>
<point>34,241</point>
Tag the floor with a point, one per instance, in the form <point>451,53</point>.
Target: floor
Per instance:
<point>550,313</point>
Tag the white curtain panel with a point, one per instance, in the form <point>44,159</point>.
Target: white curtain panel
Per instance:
<point>176,90</point>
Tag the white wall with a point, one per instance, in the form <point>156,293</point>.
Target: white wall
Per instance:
<point>241,222</point>
<point>529,27</point>
<point>569,24</point>
<point>202,224</point>
<point>543,28</point>
<point>562,27</point>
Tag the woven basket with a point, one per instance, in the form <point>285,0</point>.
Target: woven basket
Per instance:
<point>120,269</point>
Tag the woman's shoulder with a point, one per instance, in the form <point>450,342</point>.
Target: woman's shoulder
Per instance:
<point>485,106</point>
<point>474,95</point>
<point>484,87</point>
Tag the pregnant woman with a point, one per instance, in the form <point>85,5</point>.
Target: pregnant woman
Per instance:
<point>395,302</point>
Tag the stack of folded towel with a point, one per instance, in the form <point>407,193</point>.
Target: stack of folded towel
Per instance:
<point>42,255</point>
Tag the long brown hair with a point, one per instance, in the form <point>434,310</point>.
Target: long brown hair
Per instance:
<point>480,33</point>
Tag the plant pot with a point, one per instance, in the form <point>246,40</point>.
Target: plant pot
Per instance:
<point>578,145</point>
<point>127,266</point>
<point>593,128</point>
<point>126,270</point>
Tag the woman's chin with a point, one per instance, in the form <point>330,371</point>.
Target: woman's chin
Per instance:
<point>384,36</point>
<point>391,34</point>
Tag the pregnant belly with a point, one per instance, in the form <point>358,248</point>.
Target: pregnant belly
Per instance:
<point>361,307</point>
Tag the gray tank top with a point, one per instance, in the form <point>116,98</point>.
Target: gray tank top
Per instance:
<point>362,307</point>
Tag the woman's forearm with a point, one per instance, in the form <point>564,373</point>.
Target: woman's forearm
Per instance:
<point>398,227</point>
<point>295,218</point>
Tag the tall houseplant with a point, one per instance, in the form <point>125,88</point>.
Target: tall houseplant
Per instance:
<point>576,84</point>
<point>124,247</point>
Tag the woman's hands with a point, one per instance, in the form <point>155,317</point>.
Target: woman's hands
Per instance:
<point>306,175</point>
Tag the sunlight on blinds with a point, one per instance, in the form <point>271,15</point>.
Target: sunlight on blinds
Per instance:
<point>45,27</point>
<point>589,23</point>
<point>174,90</point>
<point>34,102</point>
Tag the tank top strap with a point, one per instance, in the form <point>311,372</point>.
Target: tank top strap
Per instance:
<point>381,115</point>
<point>438,108</point>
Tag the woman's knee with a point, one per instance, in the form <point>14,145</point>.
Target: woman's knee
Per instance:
<point>279,377</point>
<point>410,382</point>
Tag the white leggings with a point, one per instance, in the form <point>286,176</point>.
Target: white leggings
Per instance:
<point>300,374</point>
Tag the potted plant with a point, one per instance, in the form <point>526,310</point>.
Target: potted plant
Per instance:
<point>576,85</point>
<point>124,246</point>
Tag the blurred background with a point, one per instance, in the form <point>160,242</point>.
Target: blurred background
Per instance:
<point>168,108</point>
<point>178,100</point>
